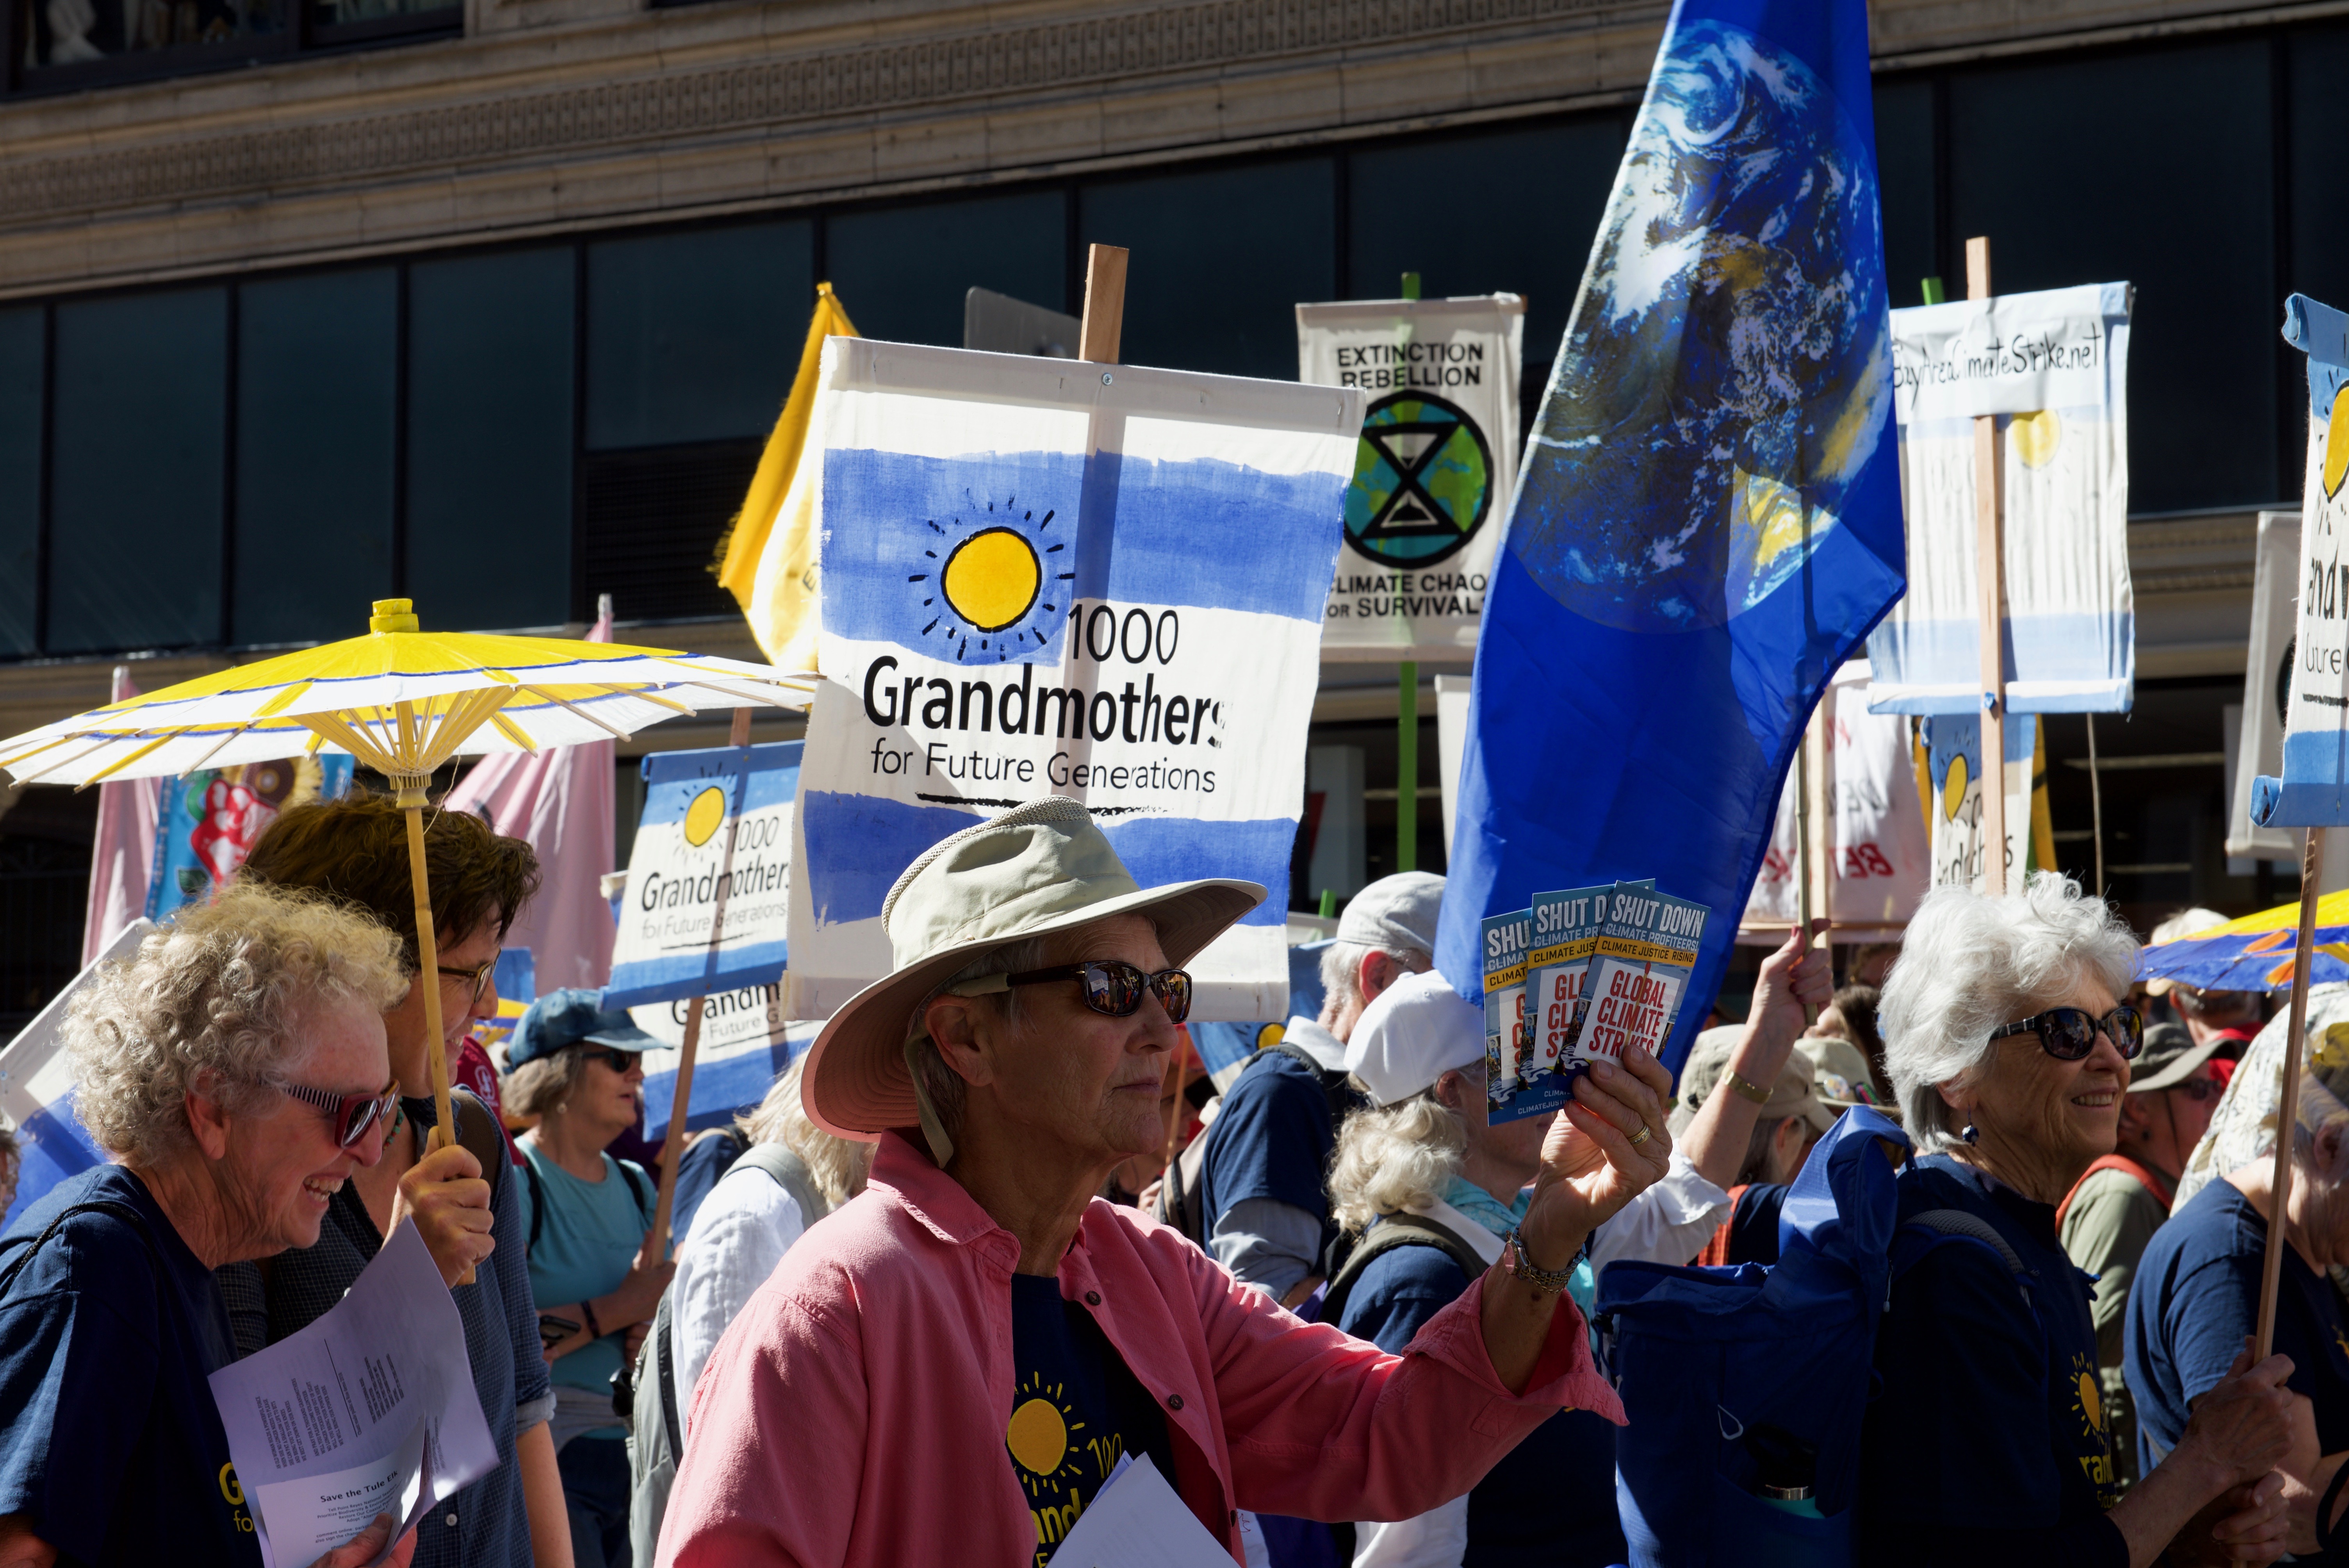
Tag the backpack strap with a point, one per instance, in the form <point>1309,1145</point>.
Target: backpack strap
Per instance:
<point>636,1182</point>
<point>477,1130</point>
<point>2162,1191</point>
<point>1337,1093</point>
<point>1975,1228</point>
<point>790,1172</point>
<point>537,1202</point>
<point>665,1352</point>
<point>1392,1231</point>
<point>108,1206</point>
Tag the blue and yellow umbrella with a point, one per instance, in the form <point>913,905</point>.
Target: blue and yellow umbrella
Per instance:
<point>2255,952</point>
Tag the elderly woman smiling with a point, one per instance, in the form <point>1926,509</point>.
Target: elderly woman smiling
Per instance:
<point>946,1368</point>
<point>236,1072</point>
<point>2006,1040</point>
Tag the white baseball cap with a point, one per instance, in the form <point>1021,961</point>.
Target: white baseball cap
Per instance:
<point>1394,912</point>
<point>1414,1032</point>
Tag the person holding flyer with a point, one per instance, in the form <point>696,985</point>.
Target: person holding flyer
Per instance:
<point>235,1071</point>
<point>978,1293</point>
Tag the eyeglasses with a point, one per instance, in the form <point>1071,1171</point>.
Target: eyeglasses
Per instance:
<point>477,975</point>
<point>2069,1034</point>
<point>613,1057</point>
<point>2201,1090</point>
<point>352,1114</point>
<point>1112,987</point>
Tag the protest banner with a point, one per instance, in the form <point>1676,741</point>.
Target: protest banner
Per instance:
<point>1507,942</point>
<point>1432,471</point>
<point>1876,854</point>
<point>1638,976</point>
<point>2052,368</point>
<point>1960,853</point>
<point>1044,578</point>
<point>36,1088</point>
<point>1690,559</point>
<point>745,1042</point>
<point>209,821</point>
<point>2267,687</point>
<point>698,806</point>
<point>2312,792</point>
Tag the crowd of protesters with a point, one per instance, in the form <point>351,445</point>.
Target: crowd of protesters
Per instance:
<point>929,1293</point>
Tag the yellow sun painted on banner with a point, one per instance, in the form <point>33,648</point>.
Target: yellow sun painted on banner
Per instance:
<point>702,817</point>
<point>992,577</point>
<point>1953,788</point>
<point>2036,437</point>
<point>2336,446</point>
<point>998,577</point>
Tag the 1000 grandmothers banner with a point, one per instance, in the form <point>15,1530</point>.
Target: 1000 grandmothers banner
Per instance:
<point>1051,578</point>
<point>1434,470</point>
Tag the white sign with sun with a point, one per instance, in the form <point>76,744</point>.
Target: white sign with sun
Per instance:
<point>1043,578</point>
<point>2051,367</point>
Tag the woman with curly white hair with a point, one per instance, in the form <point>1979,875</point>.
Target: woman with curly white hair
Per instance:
<point>2008,1046</point>
<point>235,1071</point>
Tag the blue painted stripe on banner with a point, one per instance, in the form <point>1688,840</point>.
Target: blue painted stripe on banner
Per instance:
<point>2097,652</point>
<point>1201,533</point>
<point>723,1087</point>
<point>858,845</point>
<point>670,791</point>
<point>667,767</point>
<point>676,974</point>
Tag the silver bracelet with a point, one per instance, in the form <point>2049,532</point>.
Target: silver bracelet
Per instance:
<point>1553,1281</point>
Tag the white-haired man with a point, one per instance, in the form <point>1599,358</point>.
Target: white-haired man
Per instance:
<point>1262,1199</point>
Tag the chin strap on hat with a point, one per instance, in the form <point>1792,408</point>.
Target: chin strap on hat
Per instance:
<point>934,1130</point>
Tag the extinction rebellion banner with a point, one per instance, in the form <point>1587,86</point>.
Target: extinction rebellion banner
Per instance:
<point>1045,578</point>
<point>2052,367</point>
<point>1434,470</point>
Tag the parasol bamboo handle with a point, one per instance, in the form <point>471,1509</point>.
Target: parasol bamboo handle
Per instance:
<point>428,975</point>
<point>2312,856</point>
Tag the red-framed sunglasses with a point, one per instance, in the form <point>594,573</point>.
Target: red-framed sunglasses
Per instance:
<point>352,1114</point>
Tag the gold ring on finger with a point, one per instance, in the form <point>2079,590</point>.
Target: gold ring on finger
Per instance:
<point>1641,1136</point>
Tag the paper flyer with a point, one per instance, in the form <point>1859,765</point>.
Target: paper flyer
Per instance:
<point>370,1410</point>
<point>1638,976</point>
<point>1508,939</point>
<point>1565,936</point>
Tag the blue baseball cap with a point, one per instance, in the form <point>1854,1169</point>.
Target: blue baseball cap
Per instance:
<point>572,1017</point>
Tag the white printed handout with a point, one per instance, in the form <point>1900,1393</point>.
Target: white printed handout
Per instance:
<point>371,1409</point>
<point>1136,1521</point>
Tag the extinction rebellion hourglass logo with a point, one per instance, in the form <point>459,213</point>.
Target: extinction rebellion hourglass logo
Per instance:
<point>1422,481</point>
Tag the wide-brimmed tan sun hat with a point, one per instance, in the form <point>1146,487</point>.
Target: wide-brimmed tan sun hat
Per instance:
<point>1038,869</point>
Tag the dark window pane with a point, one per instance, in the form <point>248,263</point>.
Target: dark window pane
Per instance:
<point>2320,218</point>
<point>1904,179</point>
<point>135,540</point>
<point>20,476</point>
<point>1220,261</point>
<point>902,272</point>
<point>489,440</point>
<point>314,416</point>
<point>1527,204</point>
<point>73,32</point>
<point>695,336</point>
<point>2181,204</point>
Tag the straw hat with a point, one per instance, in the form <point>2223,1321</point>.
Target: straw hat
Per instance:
<point>1038,869</point>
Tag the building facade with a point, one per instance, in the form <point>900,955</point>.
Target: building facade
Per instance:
<point>305,303</point>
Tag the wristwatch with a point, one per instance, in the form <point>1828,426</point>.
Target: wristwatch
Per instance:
<point>1553,1281</point>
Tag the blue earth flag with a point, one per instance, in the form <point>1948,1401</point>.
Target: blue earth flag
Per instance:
<point>1708,521</point>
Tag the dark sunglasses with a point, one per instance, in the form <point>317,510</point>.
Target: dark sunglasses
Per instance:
<point>613,1057</point>
<point>352,1114</point>
<point>2069,1034</point>
<point>1112,987</point>
<point>2201,1090</point>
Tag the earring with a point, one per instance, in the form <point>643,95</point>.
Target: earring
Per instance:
<point>1972,1134</point>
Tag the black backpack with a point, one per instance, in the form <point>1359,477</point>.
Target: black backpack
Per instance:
<point>1394,1230</point>
<point>1178,1190</point>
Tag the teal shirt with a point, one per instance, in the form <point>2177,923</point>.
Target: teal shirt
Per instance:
<point>586,1244</point>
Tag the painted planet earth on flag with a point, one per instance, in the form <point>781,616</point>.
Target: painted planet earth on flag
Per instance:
<point>1727,373</point>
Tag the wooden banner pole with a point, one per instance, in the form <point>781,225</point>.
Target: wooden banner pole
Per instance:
<point>1098,336</point>
<point>2312,867</point>
<point>1989,557</point>
<point>673,1148</point>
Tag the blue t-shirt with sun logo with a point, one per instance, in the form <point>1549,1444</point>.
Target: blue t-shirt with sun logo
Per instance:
<point>1075,1409</point>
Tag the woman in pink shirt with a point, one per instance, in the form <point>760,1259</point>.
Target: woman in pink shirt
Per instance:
<point>946,1369</point>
